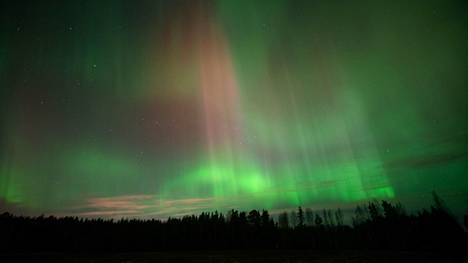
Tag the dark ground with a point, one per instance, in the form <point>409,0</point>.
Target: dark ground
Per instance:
<point>240,256</point>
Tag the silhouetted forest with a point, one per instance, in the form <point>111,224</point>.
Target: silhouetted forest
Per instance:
<point>375,225</point>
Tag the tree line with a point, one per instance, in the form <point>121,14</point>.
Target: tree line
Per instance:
<point>375,225</point>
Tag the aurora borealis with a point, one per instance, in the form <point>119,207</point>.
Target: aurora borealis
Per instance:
<point>164,108</point>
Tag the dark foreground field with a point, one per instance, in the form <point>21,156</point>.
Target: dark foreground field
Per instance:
<point>240,256</point>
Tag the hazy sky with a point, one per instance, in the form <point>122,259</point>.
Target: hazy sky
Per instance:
<point>158,108</point>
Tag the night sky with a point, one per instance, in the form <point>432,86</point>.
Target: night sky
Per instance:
<point>165,108</point>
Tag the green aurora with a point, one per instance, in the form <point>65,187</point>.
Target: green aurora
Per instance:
<point>164,108</point>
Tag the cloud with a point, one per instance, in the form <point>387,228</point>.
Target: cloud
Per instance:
<point>126,202</point>
<point>426,160</point>
<point>140,206</point>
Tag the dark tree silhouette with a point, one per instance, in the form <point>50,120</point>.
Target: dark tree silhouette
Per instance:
<point>374,211</point>
<point>300,217</point>
<point>331,220</point>
<point>293,219</point>
<point>339,218</point>
<point>254,218</point>
<point>360,216</point>
<point>283,220</point>
<point>326,220</point>
<point>309,215</point>
<point>318,220</point>
<point>383,225</point>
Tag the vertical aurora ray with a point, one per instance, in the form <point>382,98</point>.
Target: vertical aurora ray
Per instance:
<point>220,106</point>
<point>225,167</point>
